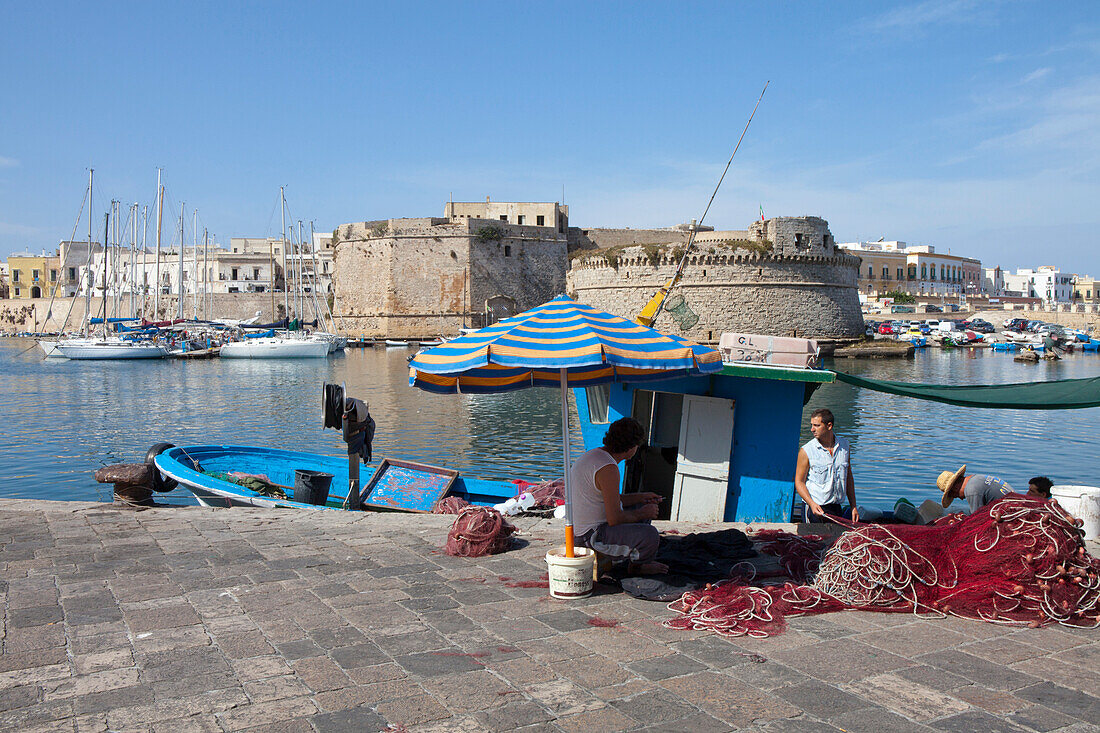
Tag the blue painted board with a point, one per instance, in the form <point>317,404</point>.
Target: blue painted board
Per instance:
<point>407,486</point>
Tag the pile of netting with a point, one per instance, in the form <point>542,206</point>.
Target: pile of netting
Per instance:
<point>449,505</point>
<point>1018,561</point>
<point>479,531</point>
<point>547,494</point>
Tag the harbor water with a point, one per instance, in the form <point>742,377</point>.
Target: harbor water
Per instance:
<point>64,419</point>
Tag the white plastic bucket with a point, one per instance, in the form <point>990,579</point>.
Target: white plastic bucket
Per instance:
<point>1082,502</point>
<point>570,577</point>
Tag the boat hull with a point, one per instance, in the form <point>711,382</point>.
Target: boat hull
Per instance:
<point>275,348</point>
<point>279,467</point>
<point>110,350</point>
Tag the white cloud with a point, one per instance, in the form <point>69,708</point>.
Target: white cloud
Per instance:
<point>930,12</point>
<point>1036,75</point>
<point>8,162</point>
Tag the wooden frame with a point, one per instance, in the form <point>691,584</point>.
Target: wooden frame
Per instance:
<point>396,486</point>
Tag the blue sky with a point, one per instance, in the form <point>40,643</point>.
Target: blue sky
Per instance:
<point>970,126</point>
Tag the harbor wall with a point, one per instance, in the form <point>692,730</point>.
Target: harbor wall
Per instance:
<point>37,315</point>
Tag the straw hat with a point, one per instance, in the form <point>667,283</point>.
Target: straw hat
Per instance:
<point>946,482</point>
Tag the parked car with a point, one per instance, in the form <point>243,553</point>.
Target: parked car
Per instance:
<point>1016,324</point>
<point>924,327</point>
<point>886,329</point>
<point>901,309</point>
<point>1033,326</point>
<point>981,326</point>
<point>870,328</point>
<point>933,309</point>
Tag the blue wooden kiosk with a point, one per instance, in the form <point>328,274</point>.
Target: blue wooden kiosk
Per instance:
<point>720,447</point>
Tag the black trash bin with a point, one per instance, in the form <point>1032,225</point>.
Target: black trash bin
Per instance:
<point>311,487</point>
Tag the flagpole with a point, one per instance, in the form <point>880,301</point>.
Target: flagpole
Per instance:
<point>565,461</point>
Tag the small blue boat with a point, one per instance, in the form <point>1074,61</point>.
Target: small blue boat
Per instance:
<point>279,466</point>
<point>1004,346</point>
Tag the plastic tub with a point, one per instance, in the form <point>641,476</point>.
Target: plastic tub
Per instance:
<point>311,487</point>
<point>570,577</point>
<point>1083,502</point>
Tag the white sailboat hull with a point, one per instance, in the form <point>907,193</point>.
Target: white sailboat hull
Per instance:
<point>50,348</point>
<point>275,348</point>
<point>110,349</point>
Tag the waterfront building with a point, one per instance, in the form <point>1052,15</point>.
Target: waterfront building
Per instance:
<point>1046,282</point>
<point>420,277</point>
<point>889,266</point>
<point>539,214</point>
<point>33,276</point>
<point>1086,290</point>
<point>3,280</point>
<point>993,281</point>
<point>783,276</point>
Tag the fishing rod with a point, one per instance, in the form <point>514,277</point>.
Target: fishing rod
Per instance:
<point>662,294</point>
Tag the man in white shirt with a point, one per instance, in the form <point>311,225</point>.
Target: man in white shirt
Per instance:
<point>823,473</point>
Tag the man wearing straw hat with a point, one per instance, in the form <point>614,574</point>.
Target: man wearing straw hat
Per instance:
<point>978,489</point>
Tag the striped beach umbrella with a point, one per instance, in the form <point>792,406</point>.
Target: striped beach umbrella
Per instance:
<point>561,344</point>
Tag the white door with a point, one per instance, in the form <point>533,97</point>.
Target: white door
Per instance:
<point>703,461</point>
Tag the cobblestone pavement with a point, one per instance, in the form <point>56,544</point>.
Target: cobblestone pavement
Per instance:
<point>192,619</point>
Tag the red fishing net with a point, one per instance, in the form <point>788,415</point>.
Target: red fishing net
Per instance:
<point>547,494</point>
<point>450,505</point>
<point>479,531</point>
<point>1018,561</point>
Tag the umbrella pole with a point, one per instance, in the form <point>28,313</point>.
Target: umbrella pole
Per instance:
<point>565,461</point>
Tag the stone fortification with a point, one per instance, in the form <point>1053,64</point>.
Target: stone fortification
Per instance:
<point>418,278</point>
<point>796,284</point>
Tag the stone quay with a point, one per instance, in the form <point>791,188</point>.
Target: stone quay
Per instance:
<point>196,619</point>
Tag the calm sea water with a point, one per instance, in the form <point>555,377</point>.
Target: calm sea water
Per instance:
<point>64,419</point>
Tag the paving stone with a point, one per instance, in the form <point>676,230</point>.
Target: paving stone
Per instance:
<point>714,651</point>
<point>420,641</point>
<point>800,725</point>
<point>19,697</point>
<point>975,720</point>
<point>337,637</point>
<point>604,719</point>
<point>300,649</point>
<point>978,671</point>
<point>876,720</point>
<point>841,660</point>
<point>196,685</point>
<point>592,671</point>
<point>356,695</point>
<point>904,639</point>
<point>122,697</point>
<point>997,702</point>
<point>357,719</point>
<point>565,620</point>
<point>512,716</point>
<point>1041,718</point>
<point>34,616</point>
<point>729,699</point>
<point>937,679</point>
<point>31,660</point>
<point>820,700</point>
<point>766,675</point>
<point>907,698</point>
<point>672,665</point>
<point>363,654</point>
<point>434,664</point>
<point>274,711</point>
<point>412,710</point>
<point>655,706</point>
<point>243,645</point>
<point>698,723</point>
<point>1082,706</point>
<point>469,692</point>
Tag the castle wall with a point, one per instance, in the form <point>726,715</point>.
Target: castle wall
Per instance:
<point>811,296</point>
<point>418,278</point>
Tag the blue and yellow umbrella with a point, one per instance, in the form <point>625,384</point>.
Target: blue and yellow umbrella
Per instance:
<point>558,344</point>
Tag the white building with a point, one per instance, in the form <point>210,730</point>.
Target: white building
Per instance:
<point>1046,282</point>
<point>889,266</point>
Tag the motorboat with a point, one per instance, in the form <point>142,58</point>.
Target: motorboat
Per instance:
<point>110,348</point>
<point>396,344</point>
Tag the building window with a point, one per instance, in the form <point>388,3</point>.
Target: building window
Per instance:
<point>255,273</point>
<point>912,272</point>
<point>72,273</point>
<point>870,272</point>
<point>15,278</point>
<point>17,292</point>
<point>276,250</point>
<point>799,240</point>
<point>507,250</point>
<point>885,272</point>
<point>53,276</point>
<point>233,274</point>
<point>520,218</point>
<point>901,274</point>
<point>504,217</point>
<point>540,220</point>
<point>34,275</point>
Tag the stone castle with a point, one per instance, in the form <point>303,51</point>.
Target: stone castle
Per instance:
<point>420,278</point>
<point>783,276</point>
<point>480,262</point>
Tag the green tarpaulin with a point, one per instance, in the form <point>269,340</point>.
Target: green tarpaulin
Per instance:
<point>1064,394</point>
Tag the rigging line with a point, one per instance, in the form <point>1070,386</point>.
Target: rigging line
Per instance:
<point>76,225</point>
<point>691,235</point>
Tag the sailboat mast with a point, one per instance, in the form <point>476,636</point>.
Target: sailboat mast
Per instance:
<point>144,258</point>
<point>160,219</point>
<point>195,269</point>
<point>116,210</point>
<point>282,235</point>
<point>301,295</point>
<point>89,270</point>
<point>133,257</point>
<point>106,268</point>
<point>205,272</point>
<point>179,288</point>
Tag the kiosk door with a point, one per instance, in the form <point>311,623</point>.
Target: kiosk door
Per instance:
<point>703,464</point>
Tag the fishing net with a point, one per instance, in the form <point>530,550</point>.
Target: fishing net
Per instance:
<point>479,531</point>
<point>450,505</point>
<point>1018,561</point>
<point>680,312</point>
<point>547,494</point>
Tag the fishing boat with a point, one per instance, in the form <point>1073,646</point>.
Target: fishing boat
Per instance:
<point>206,471</point>
<point>396,344</point>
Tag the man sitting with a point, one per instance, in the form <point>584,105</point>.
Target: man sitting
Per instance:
<point>600,518</point>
